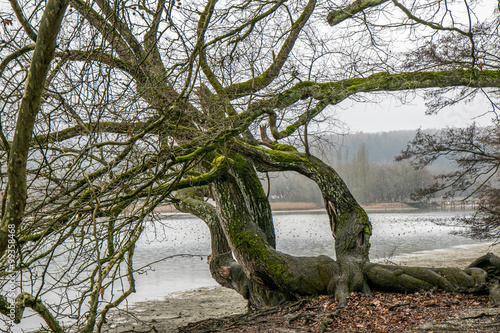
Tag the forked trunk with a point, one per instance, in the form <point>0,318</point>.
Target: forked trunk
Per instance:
<point>244,255</point>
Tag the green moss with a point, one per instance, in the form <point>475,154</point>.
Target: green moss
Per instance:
<point>250,244</point>
<point>253,245</point>
<point>4,305</point>
<point>333,92</point>
<point>218,165</point>
<point>365,221</point>
<point>288,97</point>
<point>284,147</point>
<point>305,84</point>
<point>284,157</point>
<point>218,162</point>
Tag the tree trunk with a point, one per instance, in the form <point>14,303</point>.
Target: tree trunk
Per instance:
<point>349,223</point>
<point>223,268</point>
<point>241,227</point>
<point>28,110</point>
<point>275,276</point>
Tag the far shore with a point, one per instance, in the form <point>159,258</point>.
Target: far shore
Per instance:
<point>287,207</point>
<point>179,309</point>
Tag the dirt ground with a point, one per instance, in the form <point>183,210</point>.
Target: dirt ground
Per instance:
<point>176,310</point>
<point>422,312</point>
<point>380,312</point>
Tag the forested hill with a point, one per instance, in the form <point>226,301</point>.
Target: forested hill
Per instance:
<point>381,147</point>
<point>365,161</point>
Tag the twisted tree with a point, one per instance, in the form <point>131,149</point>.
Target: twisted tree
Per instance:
<point>132,105</point>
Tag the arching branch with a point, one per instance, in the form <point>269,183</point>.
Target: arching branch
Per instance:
<point>101,57</point>
<point>111,15</point>
<point>255,84</point>
<point>30,31</point>
<point>331,93</point>
<point>107,30</point>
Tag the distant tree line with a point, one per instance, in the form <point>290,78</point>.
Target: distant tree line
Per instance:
<point>379,182</point>
<point>292,187</point>
<point>369,181</point>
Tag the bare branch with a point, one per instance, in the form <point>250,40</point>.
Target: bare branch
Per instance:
<point>23,20</point>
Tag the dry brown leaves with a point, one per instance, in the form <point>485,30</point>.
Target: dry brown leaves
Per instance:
<point>381,312</point>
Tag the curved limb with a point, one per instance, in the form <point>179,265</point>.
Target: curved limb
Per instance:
<point>24,300</point>
<point>223,268</point>
<point>337,16</point>
<point>412,279</point>
<point>255,84</point>
<point>28,28</point>
<point>479,277</point>
<point>348,221</point>
<point>282,276</point>
<point>332,93</point>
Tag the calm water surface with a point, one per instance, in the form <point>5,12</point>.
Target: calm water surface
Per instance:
<point>394,234</point>
<point>304,234</point>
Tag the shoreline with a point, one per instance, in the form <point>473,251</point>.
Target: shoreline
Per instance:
<point>180,308</point>
<point>458,256</point>
<point>368,210</point>
<point>307,208</point>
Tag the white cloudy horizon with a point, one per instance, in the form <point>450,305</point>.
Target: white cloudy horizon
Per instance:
<point>390,115</point>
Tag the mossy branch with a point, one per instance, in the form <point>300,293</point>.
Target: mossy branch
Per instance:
<point>331,93</point>
<point>348,221</point>
<point>24,300</point>
<point>28,110</point>
<point>255,84</point>
<point>337,16</point>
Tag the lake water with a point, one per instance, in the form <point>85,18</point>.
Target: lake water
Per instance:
<point>186,240</point>
<point>304,234</point>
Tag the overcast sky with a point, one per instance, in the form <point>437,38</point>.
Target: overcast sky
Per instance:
<point>389,115</point>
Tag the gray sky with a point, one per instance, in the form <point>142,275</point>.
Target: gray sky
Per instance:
<point>389,115</point>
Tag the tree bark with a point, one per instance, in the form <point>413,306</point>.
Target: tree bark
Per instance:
<point>28,110</point>
<point>271,277</point>
<point>223,268</point>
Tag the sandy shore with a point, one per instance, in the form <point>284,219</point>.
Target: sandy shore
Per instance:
<point>176,310</point>
<point>182,308</point>
<point>456,257</point>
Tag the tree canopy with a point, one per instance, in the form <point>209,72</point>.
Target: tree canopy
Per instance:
<point>111,108</point>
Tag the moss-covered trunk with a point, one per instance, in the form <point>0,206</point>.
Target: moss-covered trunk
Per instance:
<point>349,223</point>
<point>244,255</point>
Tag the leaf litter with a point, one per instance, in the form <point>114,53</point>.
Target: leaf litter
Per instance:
<point>379,312</point>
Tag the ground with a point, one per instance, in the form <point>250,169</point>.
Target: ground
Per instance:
<point>176,310</point>
<point>427,312</point>
<point>381,312</point>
